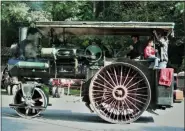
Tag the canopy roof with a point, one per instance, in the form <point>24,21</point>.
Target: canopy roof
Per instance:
<point>105,27</point>
<point>103,24</point>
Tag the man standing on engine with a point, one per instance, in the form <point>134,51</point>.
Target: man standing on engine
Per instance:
<point>163,43</point>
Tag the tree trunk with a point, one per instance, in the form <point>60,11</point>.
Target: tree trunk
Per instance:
<point>94,9</point>
<point>184,18</point>
<point>146,11</point>
<point>184,32</point>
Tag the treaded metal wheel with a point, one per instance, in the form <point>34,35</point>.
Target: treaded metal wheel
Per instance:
<point>38,100</point>
<point>120,93</point>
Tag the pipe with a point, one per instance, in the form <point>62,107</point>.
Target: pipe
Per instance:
<point>22,33</point>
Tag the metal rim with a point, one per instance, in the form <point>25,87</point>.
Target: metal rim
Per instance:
<point>120,93</point>
<point>38,99</point>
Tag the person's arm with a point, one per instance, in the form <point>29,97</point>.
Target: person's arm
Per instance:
<point>157,38</point>
<point>169,32</point>
<point>153,52</point>
<point>155,33</point>
<point>147,52</point>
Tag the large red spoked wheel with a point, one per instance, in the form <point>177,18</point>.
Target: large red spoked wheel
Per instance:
<point>120,93</point>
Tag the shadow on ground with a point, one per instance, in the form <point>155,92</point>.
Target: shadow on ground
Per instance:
<point>15,126</point>
<point>162,128</point>
<point>68,115</point>
<point>154,128</point>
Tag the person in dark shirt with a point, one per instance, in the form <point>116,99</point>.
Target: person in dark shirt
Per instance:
<point>135,49</point>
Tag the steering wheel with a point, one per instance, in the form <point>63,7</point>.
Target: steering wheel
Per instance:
<point>93,53</point>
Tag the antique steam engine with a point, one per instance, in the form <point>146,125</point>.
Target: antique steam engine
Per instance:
<point>118,89</point>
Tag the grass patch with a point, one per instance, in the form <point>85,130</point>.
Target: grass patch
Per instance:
<point>72,92</point>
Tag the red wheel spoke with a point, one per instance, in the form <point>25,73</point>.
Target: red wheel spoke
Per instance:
<point>112,108</point>
<point>106,81</point>
<point>121,76</point>
<point>132,104</point>
<point>105,100</point>
<point>102,85</point>
<point>133,94</point>
<point>123,112</point>
<point>118,110</point>
<point>102,91</point>
<point>116,76</point>
<point>111,78</point>
<point>97,97</point>
<point>136,100</point>
<point>127,76</point>
<point>140,88</point>
<point>130,80</point>
<point>127,109</point>
<point>139,97</point>
<point>135,83</point>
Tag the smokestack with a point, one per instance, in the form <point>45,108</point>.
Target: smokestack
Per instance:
<point>22,33</point>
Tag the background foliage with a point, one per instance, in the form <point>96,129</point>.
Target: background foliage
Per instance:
<point>12,13</point>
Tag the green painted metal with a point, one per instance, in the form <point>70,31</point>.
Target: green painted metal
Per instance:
<point>45,89</point>
<point>37,65</point>
<point>94,49</point>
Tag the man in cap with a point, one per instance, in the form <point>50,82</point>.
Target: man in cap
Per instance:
<point>136,48</point>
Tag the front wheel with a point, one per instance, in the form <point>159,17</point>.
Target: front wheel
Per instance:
<point>120,93</point>
<point>33,107</point>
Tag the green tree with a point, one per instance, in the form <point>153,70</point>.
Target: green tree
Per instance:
<point>173,11</point>
<point>14,13</point>
<point>61,10</point>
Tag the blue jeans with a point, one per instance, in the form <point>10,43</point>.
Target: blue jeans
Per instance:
<point>155,59</point>
<point>163,64</point>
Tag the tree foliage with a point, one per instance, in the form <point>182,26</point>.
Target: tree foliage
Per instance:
<point>13,12</point>
<point>153,11</point>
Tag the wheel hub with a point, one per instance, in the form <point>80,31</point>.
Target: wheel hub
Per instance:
<point>29,102</point>
<point>119,93</point>
<point>30,106</point>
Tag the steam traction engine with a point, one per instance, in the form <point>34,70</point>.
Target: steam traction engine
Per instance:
<point>119,90</point>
